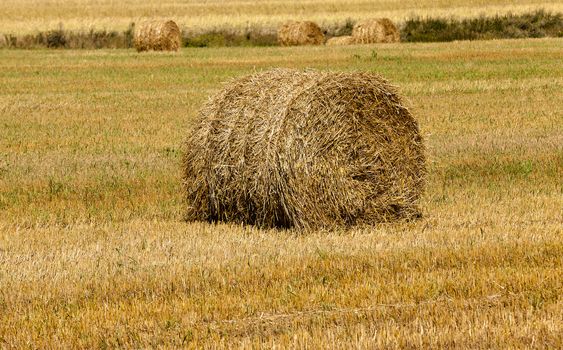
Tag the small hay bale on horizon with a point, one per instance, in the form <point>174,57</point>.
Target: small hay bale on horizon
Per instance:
<point>304,149</point>
<point>340,40</point>
<point>378,30</point>
<point>157,35</point>
<point>300,33</point>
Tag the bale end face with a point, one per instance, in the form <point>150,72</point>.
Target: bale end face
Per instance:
<point>379,30</point>
<point>157,36</point>
<point>288,148</point>
<point>300,33</point>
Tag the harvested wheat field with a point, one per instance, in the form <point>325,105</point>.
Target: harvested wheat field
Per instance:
<point>378,30</point>
<point>95,251</point>
<point>305,149</point>
<point>27,16</point>
<point>157,36</point>
<point>294,33</point>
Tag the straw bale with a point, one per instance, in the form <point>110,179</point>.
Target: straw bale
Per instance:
<point>378,30</point>
<point>304,149</point>
<point>340,40</point>
<point>300,33</point>
<point>157,35</point>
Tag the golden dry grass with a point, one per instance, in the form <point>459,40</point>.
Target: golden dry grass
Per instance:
<point>28,16</point>
<point>93,252</point>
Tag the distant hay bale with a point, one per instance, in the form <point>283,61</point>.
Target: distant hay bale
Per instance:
<point>304,149</point>
<point>300,33</point>
<point>157,36</point>
<point>340,40</point>
<point>379,30</point>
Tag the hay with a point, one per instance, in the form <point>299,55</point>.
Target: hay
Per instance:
<point>340,40</point>
<point>288,148</point>
<point>379,30</point>
<point>157,36</point>
<point>300,33</point>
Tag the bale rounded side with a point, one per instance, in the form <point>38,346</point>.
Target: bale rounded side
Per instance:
<point>340,40</point>
<point>288,148</point>
<point>378,30</point>
<point>300,33</point>
<point>157,36</point>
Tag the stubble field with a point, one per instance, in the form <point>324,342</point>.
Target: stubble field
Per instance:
<point>29,16</point>
<point>94,252</point>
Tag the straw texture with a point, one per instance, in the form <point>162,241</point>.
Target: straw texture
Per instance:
<point>157,36</point>
<point>304,149</point>
<point>300,33</point>
<point>379,30</point>
<point>340,40</point>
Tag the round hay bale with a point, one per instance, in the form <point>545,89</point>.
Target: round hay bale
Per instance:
<point>300,33</point>
<point>379,30</point>
<point>304,149</point>
<point>157,36</point>
<point>340,40</point>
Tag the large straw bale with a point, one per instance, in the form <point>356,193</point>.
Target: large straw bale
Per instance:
<point>340,40</point>
<point>157,35</point>
<point>304,149</point>
<point>378,30</point>
<point>300,33</point>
